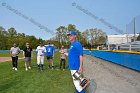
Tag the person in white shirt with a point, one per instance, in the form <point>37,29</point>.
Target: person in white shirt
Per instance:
<point>14,51</point>
<point>40,55</point>
<point>62,57</point>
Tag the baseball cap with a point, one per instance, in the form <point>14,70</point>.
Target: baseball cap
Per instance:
<point>49,43</point>
<point>72,33</point>
<point>40,43</point>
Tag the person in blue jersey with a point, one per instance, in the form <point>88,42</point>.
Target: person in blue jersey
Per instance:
<point>49,54</point>
<point>75,59</point>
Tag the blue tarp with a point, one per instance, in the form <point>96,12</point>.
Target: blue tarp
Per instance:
<point>88,52</point>
<point>125,59</point>
<point>4,50</point>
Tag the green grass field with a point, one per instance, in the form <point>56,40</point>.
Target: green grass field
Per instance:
<point>34,81</point>
<point>7,54</point>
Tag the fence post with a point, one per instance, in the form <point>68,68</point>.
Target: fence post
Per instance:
<point>130,47</point>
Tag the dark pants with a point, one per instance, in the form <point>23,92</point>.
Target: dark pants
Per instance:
<point>62,61</point>
<point>14,61</point>
<point>42,66</point>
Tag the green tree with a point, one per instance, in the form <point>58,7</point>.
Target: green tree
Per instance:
<point>61,35</point>
<point>12,32</point>
<point>95,36</point>
<point>62,38</point>
<point>7,38</point>
<point>3,38</point>
<point>71,27</point>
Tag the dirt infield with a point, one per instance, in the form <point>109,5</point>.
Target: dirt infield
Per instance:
<point>110,77</point>
<point>4,59</point>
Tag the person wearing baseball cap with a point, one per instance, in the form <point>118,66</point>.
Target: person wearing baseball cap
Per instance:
<point>40,55</point>
<point>75,59</point>
<point>72,33</point>
<point>50,54</point>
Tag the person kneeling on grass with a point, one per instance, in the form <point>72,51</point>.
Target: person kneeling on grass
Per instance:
<point>27,54</point>
<point>40,55</point>
<point>14,54</point>
<point>62,57</point>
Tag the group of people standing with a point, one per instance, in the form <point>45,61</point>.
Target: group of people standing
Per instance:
<point>47,50</point>
<point>41,52</point>
<point>27,54</point>
<point>75,57</point>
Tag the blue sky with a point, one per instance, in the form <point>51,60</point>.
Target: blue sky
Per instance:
<point>54,13</point>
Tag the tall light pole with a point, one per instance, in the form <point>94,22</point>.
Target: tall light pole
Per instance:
<point>126,33</point>
<point>134,28</point>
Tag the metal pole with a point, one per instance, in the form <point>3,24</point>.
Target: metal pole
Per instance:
<point>134,29</point>
<point>126,33</point>
<point>108,44</point>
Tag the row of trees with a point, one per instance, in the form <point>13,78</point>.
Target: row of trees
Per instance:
<point>89,38</point>
<point>7,38</point>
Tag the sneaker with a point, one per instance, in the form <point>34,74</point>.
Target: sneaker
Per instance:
<point>15,69</point>
<point>29,67</point>
<point>26,69</point>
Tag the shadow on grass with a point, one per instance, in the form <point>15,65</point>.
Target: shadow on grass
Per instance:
<point>7,85</point>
